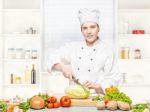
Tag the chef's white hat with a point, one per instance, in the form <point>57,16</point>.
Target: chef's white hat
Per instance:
<point>88,15</point>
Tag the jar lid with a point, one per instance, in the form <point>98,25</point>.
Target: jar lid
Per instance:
<point>34,50</point>
<point>27,50</point>
<point>137,50</point>
<point>11,48</point>
<point>19,49</point>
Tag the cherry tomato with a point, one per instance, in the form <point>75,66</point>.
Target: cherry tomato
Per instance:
<point>50,105</point>
<point>106,101</point>
<point>65,101</point>
<point>56,104</point>
<point>52,99</point>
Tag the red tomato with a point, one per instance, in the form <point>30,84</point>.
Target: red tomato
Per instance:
<point>65,101</point>
<point>52,99</point>
<point>56,104</point>
<point>106,101</point>
<point>50,105</point>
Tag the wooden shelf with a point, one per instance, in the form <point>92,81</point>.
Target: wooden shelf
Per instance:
<point>21,10</point>
<point>21,60</point>
<point>135,36</point>
<point>20,36</point>
<point>21,85</point>
<point>135,60</point>
<point>133,10</point>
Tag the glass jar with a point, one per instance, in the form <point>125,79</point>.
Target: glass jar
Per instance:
<point>19,53</point>
<point>27,54</point>
<point>18,80</point>
<point>124,53</point>
<point>11,53</point>
<point>34,54</point>
<point>137,54</point>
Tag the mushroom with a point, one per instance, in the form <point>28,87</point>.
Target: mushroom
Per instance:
<point>123,105</point>
<point>112,105</point>
<point>100,105</point>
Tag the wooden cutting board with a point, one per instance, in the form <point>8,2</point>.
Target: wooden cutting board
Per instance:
<point>83,102</point>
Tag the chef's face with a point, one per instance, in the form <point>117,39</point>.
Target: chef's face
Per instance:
<point>90,32</point>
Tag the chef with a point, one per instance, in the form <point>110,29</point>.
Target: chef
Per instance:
<point>91,61</point>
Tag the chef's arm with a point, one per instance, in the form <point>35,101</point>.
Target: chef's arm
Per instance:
<point>67,72</point>
<point>57,57</point>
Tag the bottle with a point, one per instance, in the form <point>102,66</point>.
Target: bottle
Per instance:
<point>33,75</point>
<point>11,78</point>
<point>27,75</point>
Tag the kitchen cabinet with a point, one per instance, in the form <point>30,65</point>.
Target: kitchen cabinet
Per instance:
<point>134,53</point>
<point>20,40</point>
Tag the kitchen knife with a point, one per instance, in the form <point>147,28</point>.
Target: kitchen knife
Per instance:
<point>77,82</point>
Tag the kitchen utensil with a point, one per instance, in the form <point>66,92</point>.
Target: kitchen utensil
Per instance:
<point>77,82</point>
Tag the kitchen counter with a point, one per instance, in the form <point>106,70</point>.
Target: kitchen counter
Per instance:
<point>75,109</point>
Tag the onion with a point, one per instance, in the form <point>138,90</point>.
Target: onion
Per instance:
<point>37,102</point>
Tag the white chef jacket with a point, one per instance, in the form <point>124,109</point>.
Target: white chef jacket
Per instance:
<point>96,63</point>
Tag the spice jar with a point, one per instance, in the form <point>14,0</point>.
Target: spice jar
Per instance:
<point>11,53</point>
<point>34,54</point>
<point>19,53</point>
<point>27,54</point>
<point>11,78</point>
<point>18,80</point>
<point>124,53</point>
<point>137,54</point>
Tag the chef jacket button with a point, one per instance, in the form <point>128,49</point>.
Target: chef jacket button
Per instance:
<point>94,49</point>
<point>78,68</point>
<point>89,70</point>
<point>91,59</point>
<point>79,57</point>
<point>82,48</point>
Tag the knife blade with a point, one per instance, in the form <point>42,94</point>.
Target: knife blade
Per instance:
<point>77,82</point>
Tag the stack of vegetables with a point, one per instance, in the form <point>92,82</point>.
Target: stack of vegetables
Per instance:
<point>113,99</point>
<point>42,101</point>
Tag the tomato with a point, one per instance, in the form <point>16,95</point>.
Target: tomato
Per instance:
<point>37,102</point>
<point>50,105</point>
<point>65,101</point>
<point>56,104</point>
<point>52,99</point>
<point>106,101</point>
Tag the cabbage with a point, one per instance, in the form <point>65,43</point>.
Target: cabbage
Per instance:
<point>77,91</point>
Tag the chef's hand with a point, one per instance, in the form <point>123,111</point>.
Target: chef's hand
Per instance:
<point>67,72</point>
<point>92,85</point>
